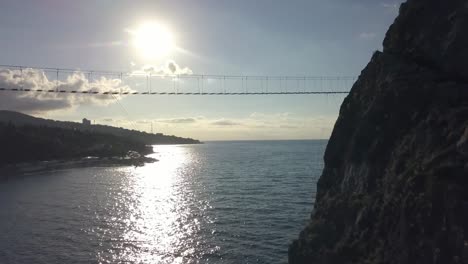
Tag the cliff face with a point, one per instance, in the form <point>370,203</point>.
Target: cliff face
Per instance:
<point>395,184</point>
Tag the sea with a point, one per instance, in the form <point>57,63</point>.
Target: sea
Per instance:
<point>217,202</point>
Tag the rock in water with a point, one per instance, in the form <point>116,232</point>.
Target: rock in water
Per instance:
<point>395,184</point>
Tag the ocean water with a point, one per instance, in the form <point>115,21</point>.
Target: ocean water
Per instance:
<point>220,202</point>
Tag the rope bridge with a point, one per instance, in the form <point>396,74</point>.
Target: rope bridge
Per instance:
<point>57,81</point>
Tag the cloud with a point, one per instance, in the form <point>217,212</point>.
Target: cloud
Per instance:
<point>33,102</point>
<point>169,69</point>
<point>367,35</point>
<point>288,127</point>
<point>254,121</point>
<point>390,5</point>
<point>178,120</point>
<point>224,122</point>
<point>143,122</point>
<point>252,126</point>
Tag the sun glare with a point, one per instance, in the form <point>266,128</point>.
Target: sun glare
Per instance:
<point>153,40</point>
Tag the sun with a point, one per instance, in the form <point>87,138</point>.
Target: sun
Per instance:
<point>153,40</point>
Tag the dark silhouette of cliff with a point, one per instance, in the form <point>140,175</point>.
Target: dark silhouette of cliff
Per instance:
<point>394,186</point>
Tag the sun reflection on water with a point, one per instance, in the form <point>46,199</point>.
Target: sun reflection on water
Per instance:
<point>158,224</point>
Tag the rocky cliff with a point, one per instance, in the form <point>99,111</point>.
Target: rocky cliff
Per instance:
<point>395,184</point>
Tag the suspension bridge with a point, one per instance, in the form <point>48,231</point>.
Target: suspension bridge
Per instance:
<point>28,79</point>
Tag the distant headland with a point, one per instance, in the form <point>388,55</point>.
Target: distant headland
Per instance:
<point>25,138</point>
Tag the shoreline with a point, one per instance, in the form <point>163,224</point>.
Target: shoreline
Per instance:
<point>51,165</point>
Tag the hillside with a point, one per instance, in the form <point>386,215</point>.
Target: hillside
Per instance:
<point>19,119</point>
<point>28,143</point>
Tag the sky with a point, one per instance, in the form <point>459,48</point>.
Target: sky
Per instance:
<point>219,37</point>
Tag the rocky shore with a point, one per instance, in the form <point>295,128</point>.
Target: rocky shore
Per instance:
<point>394,186</point>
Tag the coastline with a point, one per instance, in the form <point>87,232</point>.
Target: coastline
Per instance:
<point>51,165</point>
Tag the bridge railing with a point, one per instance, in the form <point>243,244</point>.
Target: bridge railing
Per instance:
<point>59,80</point>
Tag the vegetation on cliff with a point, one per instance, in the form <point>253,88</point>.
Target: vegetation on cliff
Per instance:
<point>25,138</point>
<point>36,143</point>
